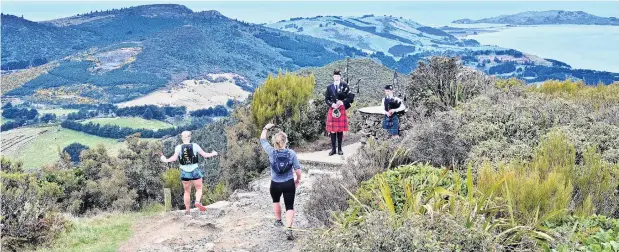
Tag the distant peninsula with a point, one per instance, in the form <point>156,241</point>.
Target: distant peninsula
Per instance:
<point>551,17</point>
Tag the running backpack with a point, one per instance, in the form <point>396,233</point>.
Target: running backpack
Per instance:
<point>187,156</point>
<point>282,162</point>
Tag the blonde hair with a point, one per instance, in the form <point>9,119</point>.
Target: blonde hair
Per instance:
<point>280,139</point>
<point>186,136</point>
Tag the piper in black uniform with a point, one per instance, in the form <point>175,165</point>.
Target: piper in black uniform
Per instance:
<point>393,107</point>
<point>338,98</point>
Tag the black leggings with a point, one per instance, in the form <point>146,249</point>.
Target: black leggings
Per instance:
<point>287,188</point>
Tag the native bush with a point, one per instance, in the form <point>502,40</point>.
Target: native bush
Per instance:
<point>71,181</point>
<point>281,97</point>
<point>535,191</point>
<point>285,101</point>
<point>330,193</point>
<point>507,84</point>
<point>310,125</point>
<point>423,178</point>
<point>74,150</point>
<point>444,83</point>
<point>106,186</point>
<point>596,183</point>
<point>142,169</point>
<point>600,96</point>
<point>552,183</point>
<point>503,126</point>
<point>435,140</point>
<point>244,158</point>
<point>591,233</point>
<point>29,214</point>
<point>378,232</point>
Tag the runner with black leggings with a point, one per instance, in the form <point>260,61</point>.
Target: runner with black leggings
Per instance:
<point>284,164</point>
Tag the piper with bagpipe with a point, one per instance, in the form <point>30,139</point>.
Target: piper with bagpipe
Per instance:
<point>393,108</point>
<point>339,98</point>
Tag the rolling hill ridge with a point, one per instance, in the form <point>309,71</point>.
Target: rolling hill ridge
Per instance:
<point>122,54</point>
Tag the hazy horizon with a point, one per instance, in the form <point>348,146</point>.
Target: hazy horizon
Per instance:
<point>428,13</point>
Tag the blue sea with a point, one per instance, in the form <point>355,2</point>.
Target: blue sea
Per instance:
<point>581,46</point>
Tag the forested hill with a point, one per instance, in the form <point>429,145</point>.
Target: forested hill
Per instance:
<point>124,53</point>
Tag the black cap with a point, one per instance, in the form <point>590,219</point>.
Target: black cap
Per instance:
<point>389,87</point>
<point>336,72</point>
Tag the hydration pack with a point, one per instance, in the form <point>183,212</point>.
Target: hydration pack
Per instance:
<point>282,161</point>
<point>187,155</point>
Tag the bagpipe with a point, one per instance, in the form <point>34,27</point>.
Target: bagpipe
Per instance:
<point>395,84</point>
<point>336,112</point>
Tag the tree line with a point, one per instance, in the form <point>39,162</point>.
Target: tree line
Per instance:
<point>115,131</point>
<point>218,110</point>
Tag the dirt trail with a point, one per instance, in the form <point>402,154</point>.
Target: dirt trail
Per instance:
<point>244,223</point>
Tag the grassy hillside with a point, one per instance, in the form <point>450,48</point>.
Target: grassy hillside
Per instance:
<point>40,146</point>
<point>57,112</point>
<point>131,122</point>
<point>18,78</point>
<point>194,94</point>
<point>99,233</point>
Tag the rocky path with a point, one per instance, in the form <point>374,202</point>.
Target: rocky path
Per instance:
<point>244,223</point>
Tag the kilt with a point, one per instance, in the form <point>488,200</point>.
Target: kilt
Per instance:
<point>337,124</point>
<point>392,125</point>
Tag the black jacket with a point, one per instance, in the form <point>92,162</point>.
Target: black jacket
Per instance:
<point>343,93</point>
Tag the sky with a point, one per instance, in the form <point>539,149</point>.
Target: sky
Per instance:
<point>433,13</point>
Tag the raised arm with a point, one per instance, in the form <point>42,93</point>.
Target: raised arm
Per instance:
<point>264,131</point>
<point>206,155</point>
<point>173,158</point>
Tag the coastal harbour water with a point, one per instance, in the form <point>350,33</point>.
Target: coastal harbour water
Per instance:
<point>580,46</point>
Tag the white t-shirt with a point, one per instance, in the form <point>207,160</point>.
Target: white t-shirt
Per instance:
<point>190,167</point>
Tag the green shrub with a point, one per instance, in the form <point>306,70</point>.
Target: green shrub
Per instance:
<point>309,127</point>
<point>444,83</point>
<point>415,233</point>
<point>535,191</point>
<point>285,101</point>
<point>600,96</point>
<point>281,97</point>
<point>244,159</point>
<point>142,169</point>
<point>435,140</point>
<point>567,87</point>
<point>29,216</point>
<point>596,183</point>
<point>106,186</point>
<point>424,179</point>
<point>591,233</point>
<point>70,180</point>
<point>330,195</point>
<point>500,127</point>
<point>172,179</point>
<point>507,84</point>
